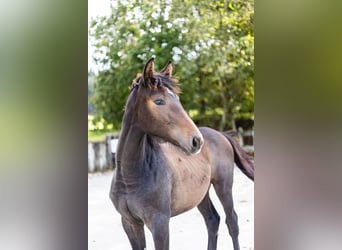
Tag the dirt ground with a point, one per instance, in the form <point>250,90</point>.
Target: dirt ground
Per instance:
<point>187,231</point>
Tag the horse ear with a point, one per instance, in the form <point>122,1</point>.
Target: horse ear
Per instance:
<point>149,69</point>
<point>167,70</point>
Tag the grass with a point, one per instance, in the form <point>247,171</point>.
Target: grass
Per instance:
<point>99,135</point>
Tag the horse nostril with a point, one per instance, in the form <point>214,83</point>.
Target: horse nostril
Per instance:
<point>196,142</point>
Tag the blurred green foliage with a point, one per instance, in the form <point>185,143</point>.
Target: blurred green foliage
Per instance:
<point>211,44</point>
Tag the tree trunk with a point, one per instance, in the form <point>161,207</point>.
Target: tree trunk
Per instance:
<point>233,124</point>
<point>224,108</point>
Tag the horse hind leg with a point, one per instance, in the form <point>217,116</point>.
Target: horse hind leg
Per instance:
<point>212,220</point>
<point>135,233</point>
<point>224,193</point>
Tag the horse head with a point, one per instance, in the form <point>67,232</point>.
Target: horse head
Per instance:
<point>158,111</point>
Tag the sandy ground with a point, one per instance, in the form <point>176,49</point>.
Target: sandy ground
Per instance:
<point>187,231</point>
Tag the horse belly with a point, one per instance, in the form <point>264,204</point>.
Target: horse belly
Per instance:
<point>191,180</point>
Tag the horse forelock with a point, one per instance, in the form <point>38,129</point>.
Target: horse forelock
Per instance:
<point>158,80</point>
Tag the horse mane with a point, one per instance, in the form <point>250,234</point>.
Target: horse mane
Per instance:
<point>158,80</point>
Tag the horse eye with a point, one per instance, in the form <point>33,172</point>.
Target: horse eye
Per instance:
<point>159,101</point>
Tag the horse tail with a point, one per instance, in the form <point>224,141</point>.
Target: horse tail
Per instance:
<point>241,158</point>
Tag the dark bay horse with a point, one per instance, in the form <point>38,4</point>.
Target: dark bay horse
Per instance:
<point>165,164</point>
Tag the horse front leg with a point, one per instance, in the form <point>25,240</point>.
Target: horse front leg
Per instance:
<point>159,227</point>
<point>135,233</point>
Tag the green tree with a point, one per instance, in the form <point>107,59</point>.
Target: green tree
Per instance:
<point>210,43</point>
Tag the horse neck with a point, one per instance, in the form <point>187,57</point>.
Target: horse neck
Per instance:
<point>134,149</point>
<point>131,135</point>
<point>130,142</point>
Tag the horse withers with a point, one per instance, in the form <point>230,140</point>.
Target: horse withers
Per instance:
<point>165,164</point>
